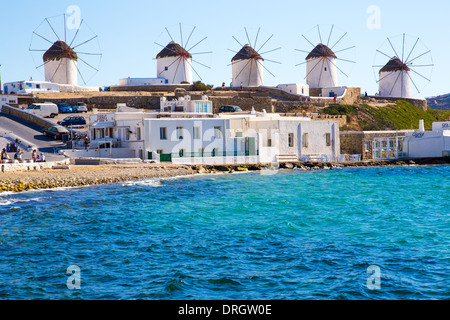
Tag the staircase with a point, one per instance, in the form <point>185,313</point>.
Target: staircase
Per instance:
<point>287,158</point>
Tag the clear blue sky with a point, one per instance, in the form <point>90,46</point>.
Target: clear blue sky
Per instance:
<point>127,31</point>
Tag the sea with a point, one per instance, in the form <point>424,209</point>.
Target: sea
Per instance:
<point>376,233</point>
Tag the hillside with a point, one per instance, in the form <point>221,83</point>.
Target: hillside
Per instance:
<point>441,102</point>
<point>401,115</point>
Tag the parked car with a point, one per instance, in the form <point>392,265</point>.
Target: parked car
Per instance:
<point>64,108</point>
<point>229,109</point>
<point>79,107</point>
<point>72,121</point>
<point>56,132</point>
<point>46,109</point>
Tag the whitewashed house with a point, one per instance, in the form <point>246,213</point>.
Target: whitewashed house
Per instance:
<point>428,144</point>
<point>186,104</point>
<point>29,87</point>
<point>295,88</point>
<point>191,136</point>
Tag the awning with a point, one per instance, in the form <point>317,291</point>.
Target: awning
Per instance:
<point>102,125</point>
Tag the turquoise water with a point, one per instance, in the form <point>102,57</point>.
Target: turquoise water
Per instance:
<point>291,235</point>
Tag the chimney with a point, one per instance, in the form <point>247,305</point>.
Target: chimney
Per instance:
<point>421,126</point>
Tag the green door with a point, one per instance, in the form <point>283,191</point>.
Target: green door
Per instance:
<point>165,157</point>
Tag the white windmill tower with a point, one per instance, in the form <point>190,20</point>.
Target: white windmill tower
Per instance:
<point>64,60</point>
<point>395,79</point>
<point>175,61</point>
<point>402,72</point>
<point>322,61</point>
<point>247,68</point>
<point>321,68</point>
<point>60,64</point>
<point>248,63</point>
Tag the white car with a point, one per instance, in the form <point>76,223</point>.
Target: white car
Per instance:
<point>80,107</point>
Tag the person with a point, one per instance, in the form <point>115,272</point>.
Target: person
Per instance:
<point>34,155</point>
<point>223,85</point>
<point>4,155</point>
<point>8,147</point>
<point>41,158</point>
<point>241,85</point>
<point>335,97</point>
<point>86,142</point>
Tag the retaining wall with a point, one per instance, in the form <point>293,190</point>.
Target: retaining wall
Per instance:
<point>30,117</point>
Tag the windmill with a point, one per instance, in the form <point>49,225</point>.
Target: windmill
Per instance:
<point>322,61</point>
<point>248,63</point>
<point>409,65</point>
<point>175,62</point>
<point>68,52</point>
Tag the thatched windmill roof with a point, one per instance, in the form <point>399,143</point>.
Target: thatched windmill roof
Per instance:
<point>395,64</point>
<point>59,50</point>
<point>321,51</point>
<point>173,49</point>
<point>247,52</point>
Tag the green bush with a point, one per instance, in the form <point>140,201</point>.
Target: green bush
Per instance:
<point>339,110</point>
<point>200,86</point>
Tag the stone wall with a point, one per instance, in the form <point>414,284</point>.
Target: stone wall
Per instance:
<point>418,103</point>
<point>110,102</point>
<point>353,142</point>
<point>152,88</point>
<point>35,119</point>
<point>246,103</point>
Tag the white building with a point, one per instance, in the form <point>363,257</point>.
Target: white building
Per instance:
<point>321,68</point>
<point>394,79</point>
<point>185,104</point>
<point>191,137</point>
<point>174,63</point>
<point>247,68</point>
<point>60,64</point>
<point>29,87</point>
<point>428,144</point>
<point>296,88</point>
<point>142,81</point>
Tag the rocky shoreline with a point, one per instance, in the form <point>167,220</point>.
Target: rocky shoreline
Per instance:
<point>85,175</point>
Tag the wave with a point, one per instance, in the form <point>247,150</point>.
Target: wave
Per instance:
<point>143,183</point>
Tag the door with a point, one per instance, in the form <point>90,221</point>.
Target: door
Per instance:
<point>165,157</point>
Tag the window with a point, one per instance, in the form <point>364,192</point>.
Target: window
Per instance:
<point>196,132</point>
<point>181,153</point>
<point>127,133</point>
<point>38,86</point>
<point>325,68</point>
<point>159,151</point>
<point>180,133</point>
<point>166,68</point>
<point>305,140</point>
<point>367,146</point>
<point>291,140</point>
<point>328,139</point>
<point>163,133</point>
<point>201,152</point>
<point>217,132</point>
<point>138,133</point>
<point>214,152</point>
<point>269,142</point>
